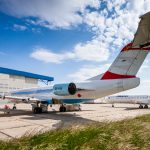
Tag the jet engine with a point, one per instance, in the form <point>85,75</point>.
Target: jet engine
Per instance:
<point>64,89</point>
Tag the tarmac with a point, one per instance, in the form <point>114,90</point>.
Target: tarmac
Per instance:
<point>22,121</point>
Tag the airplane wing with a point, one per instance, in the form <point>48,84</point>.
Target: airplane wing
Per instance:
<point>20,99</point>
<point>29,95</point>
<point>43,94</point>
<point>142,36</point>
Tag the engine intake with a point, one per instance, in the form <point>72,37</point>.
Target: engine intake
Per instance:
<point>64,89</point>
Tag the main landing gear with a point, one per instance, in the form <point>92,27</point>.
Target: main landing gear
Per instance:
<point>145,106</point>
<point>62,108</point>
<point>39,108</point>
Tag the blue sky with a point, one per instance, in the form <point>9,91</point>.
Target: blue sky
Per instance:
<point>69,40</point>
<point>17,44</point>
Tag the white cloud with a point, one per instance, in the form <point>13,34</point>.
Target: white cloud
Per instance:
<point>47,56</point>
<point>113,27</point>
<point>114,31</point>
<point>93,50</point>
<point>87,72</point>
<point>19,27</point>
<point>147,82</point>
<point>95,19</point>
<point>49,13</point>
<point>144,67</point>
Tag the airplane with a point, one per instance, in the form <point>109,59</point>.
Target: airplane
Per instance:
<point>120,76</point>
<point>130,99</point>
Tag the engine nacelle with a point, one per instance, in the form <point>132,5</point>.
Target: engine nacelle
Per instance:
<point>64,89</point>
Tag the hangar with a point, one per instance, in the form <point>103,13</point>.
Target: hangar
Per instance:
<point>13,79</point>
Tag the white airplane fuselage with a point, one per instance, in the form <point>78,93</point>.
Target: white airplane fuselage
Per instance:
<point>86,91</point>
<point>129,99</point>
<point>100,88</point>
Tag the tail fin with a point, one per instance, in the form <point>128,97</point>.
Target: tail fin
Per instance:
<point>130,59</point>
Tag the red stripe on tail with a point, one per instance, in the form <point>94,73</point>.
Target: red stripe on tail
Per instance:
<point>129,47</point>
<point>109,75</point>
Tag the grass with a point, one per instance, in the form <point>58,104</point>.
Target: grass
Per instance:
<point>132,134</point>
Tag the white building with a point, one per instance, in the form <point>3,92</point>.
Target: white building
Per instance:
<point>14,79</point>
<point>12,82</point>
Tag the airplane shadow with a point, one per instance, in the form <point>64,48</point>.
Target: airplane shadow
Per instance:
<point>64,119</point>
<point>14,112</point>
<point>20,112</point>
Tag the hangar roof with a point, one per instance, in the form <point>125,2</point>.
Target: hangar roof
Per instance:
<point>25,74</point>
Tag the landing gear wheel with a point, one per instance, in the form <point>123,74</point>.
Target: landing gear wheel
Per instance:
<point>37,110</point>
<point>113,105</point>
<point>141,107</point>
<point>146,106</point>
<point>40,110</point>
<point>62,109</point>
<point>14,108</point>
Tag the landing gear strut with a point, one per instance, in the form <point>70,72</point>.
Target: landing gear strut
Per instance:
<point>62,108</point>
<point>14,107</point>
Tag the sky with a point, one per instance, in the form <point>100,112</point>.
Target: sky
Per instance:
<point>69,40</point>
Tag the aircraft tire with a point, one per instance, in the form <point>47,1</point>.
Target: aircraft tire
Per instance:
<point>37,110</point>
<point>62,109</point>
<point>40,110</point>
<point>146,106</point>
<point>141,107</point>
<point>14,108</point>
